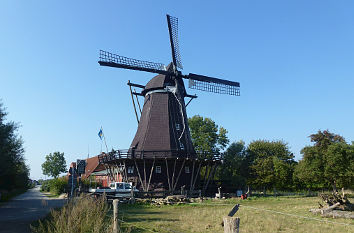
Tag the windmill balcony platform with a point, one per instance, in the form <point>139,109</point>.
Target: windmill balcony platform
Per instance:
<point>119,155</point>
<point>161,170</point>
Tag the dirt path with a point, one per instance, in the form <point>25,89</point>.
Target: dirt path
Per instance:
<point>17,214</point>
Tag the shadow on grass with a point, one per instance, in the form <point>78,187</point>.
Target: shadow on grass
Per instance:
<point>143,218</point>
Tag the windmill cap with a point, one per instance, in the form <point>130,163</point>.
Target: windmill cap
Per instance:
<point>159,82</point>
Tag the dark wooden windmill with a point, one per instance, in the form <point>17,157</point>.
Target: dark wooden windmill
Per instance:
<point>162,154</point>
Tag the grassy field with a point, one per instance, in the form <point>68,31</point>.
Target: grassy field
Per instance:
<point>282,214</point>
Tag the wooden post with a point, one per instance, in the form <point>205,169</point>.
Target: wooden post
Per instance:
<point>125,170</point>
<point>115,216</point>
<point>179,174</point>
<point>191,185</point>
<point>212,169</point>
<point>168,176</point>
<point>145,177</point>
<point>132,199</point>
<point>231,224</point>
<point>196,175</point>
<point>173,176</point>
<point>141,181</point>
<point>152,169</point>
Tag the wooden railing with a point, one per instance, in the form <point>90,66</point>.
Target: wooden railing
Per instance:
<point>131,154</point>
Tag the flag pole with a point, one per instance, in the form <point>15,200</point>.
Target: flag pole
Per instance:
<point>104,137</point>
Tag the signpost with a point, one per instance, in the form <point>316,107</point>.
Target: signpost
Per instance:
<point>81,165</point>
<point>76,171</point>
<point>72,180</point>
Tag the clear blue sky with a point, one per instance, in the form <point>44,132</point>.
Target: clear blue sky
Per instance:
<point>294,60</point>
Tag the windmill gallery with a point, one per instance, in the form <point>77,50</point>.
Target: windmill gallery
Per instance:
<point>161,155</point>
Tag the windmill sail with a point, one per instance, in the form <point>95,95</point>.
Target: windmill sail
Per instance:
<point>173,30</point>
<point>114,60</point>
<point>205,83</point>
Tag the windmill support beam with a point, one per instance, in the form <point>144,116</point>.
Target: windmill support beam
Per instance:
<point>179,174</point>
<point>190,186</point>
<point>212,171</point>
<point>137,169</point>
<point>196,175</point>
<point>168,176</point>
<point>189,101</point>
<point>191,96</point>
<point>135,85</point>
<point>108,169</point>
<point>145,174</point>
<point>136,96</point>
<point>205,174</point>
<point>152,169</point>
<point>125,170</point>
<point>173,175</point>
<point>136,114</point>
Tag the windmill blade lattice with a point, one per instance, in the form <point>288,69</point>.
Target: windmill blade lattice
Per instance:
<point>114,60</point>
<point>173,30</point>
<point>209,84</point>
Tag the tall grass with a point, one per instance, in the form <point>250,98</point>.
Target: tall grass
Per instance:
<point>84,214</point>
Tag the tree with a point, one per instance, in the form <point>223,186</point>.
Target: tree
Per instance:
<point>54,164</point>
<point>329,162</point>
<point>339,165</point>
<point>309,170</point>
<point>234,168</point>
<point>206,136</point>
<point>14,173</point>
<point>323,139</point>
<point>271,164</point>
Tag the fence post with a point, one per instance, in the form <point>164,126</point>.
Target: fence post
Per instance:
<point>115,216</point>
<point>231,224</point>
<point>132,199</point>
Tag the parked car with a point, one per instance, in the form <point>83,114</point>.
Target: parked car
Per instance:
<point>116,189</point>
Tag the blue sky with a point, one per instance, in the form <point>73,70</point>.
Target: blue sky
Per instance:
<point>294,60</point>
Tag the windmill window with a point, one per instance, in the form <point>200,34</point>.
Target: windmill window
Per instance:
<point>158,169</point>
<point>186,169</point>
<point>181,146</point>
<point>178,126</point>
<point>130,169</point>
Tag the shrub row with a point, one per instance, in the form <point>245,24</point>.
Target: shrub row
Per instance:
<point>55,186</point>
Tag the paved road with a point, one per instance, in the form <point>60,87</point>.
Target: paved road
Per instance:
<point>17,214</point>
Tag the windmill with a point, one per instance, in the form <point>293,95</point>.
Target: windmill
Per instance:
<point>162,141</point>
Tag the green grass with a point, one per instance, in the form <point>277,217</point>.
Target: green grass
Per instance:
<point>270,214</point>
<point>50,195</point>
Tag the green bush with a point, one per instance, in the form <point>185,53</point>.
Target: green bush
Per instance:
<point>58,185</point>
<point>45,186</point>
<point>90,182</point>
<point>55,186</point>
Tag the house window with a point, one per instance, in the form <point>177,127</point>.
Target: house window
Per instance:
<point>158,169</point>
<point>130,169</point>
<point>186,169</point>
<point>181,146</point>
<point>178,126</point>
